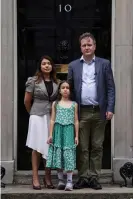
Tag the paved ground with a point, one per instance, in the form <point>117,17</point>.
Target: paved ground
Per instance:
<point>18,189</point>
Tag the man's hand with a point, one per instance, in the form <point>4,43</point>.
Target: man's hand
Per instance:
<point>109,115</point>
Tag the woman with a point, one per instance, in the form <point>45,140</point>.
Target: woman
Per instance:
<point>42,90</point>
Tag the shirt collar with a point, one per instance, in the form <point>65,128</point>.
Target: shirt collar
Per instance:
<point>93,59</point>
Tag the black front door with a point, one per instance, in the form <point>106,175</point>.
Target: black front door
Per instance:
<point>53,28</point>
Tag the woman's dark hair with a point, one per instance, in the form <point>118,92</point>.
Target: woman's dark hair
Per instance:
<point>39,73</point>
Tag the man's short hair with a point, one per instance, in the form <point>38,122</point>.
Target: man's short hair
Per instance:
<point>87,34</point>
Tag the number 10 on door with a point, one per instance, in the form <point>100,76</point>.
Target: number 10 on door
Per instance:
<point>66,8</point>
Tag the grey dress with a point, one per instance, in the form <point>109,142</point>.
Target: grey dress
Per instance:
<point>38,130</point>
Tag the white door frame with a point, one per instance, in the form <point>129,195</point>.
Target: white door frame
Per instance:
<point>15,111</point>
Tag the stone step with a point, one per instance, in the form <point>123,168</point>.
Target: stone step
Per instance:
<point>25,177</point>
<point>26,192</point>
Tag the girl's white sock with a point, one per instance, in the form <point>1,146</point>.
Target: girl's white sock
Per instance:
<point>60,175</point>
<point>69,177</point>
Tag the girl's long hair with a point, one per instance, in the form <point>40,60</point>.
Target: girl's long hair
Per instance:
<point>59,96</point>
<point>39,73</point>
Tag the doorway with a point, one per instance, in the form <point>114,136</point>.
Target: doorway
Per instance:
<point>53,28</point>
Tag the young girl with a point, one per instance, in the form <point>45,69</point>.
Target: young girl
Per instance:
<point>64,127</point>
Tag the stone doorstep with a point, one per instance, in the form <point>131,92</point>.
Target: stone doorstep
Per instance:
<point>25,177</point>
<point>26,192</point>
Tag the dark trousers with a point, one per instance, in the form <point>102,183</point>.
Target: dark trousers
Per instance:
<point>91,131</point>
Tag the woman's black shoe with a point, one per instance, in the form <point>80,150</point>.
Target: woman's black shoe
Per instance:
<point>48,186</point>
<point>37,187</point>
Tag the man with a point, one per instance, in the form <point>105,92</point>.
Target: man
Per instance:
<point>93,87</point>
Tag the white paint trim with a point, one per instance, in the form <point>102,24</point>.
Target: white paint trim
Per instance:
<point>113,68</point>
<point>15,81</point>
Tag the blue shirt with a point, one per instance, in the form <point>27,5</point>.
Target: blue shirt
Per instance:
<point>89,89</point>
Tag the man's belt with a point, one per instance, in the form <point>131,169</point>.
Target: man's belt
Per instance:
<point>96,107</point>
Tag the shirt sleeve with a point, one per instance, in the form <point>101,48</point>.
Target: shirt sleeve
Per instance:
<point>30,85</point>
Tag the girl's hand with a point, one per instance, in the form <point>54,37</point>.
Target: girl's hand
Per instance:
<point>76,140</point>
<point>49,141</point>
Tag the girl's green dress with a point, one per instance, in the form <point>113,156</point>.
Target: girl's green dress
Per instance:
<point>62,151</point>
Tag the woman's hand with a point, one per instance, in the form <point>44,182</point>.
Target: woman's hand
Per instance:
<point>76,140</point>
<point>49,141</point>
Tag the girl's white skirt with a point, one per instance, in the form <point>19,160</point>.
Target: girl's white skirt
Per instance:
<point>38,133</point>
